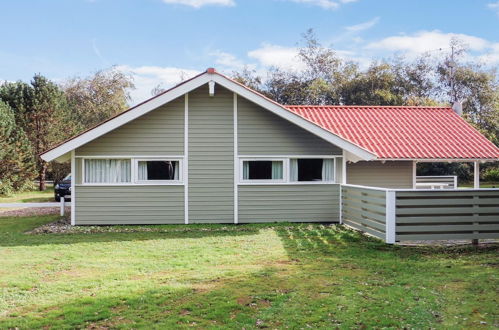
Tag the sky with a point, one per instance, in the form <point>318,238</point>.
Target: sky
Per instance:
<point>161,42</point>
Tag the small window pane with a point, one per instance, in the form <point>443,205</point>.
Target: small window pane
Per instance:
<point>262,170</point>
<point>161,170</point>
<point>107,170</point>
<point>309,169</point>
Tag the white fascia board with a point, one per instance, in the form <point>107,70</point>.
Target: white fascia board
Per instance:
<point>126,117</point>
<point>297,120</point>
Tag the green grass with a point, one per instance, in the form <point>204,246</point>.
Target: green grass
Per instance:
<point>244,276</point>
<point>482,185</point>
<point>30,196</point>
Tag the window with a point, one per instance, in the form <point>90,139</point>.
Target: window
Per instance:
<point>311,169</point>
<point>132,171</point>
<point>266,170</point>
<point>107,170</point>
<point>158,170</point>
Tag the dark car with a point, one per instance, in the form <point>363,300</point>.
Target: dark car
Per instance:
<point>63,189</point>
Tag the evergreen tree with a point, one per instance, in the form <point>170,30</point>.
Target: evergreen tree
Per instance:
<point>16,158</point>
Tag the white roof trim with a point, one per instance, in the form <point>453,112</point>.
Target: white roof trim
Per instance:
<point>188,86</point>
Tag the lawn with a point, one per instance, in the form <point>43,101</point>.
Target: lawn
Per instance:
<point>244,276</point>
<point>30,196</point>
<point>482,185</point>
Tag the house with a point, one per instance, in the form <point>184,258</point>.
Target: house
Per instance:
<point>211,150</point>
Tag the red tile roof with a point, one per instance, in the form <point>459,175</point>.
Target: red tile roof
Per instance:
<point>403,132</point>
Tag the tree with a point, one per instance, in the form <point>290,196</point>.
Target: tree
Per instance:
<point>40,110</point>
<point>16,158</point>
<point>472,84</point>
<point>97,98</point>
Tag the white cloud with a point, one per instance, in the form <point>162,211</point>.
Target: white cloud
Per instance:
<point>228,62</point>
<point>494,6</point>
<point>146,78</point>
<point>326,4</point>
<point>363,26</point>
<point>424,41</point>
<point>278,56</point>
<point>200,3</point>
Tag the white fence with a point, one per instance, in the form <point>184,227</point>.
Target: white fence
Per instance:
<point>62,204</point>
<point>436,182</point>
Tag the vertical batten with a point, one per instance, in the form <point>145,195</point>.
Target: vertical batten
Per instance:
<point>414,174</point>
<point>476,175</point>
<point>236,164</point>
<point>73,193</point>
<point>344,168</point>
<point>186,159</point>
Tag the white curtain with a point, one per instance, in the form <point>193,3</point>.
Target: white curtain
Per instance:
<point>327,169</point>
<point>142,171</point>
<point>277,170</point>
<point>245,170</point>
<point>176,169</point>
<point>107,170</point>
<point>293,169</point>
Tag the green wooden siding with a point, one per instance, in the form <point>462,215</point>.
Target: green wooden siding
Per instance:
<point>114,205</point>
<point>79,167</point>
<point>160,132</point>
<point>211,156</point>
<point>294,203</point>
<point>391,174</point>
<point>365,209</point>
<point>261,132</point>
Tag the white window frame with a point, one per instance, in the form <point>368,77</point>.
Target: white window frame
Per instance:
<point>134,171</point>
<point>286,175</point>
<point>285,167</point>
<point>83,183</point>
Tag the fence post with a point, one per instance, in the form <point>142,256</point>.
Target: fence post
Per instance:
<point>62,206</point>
<point>390,216</point>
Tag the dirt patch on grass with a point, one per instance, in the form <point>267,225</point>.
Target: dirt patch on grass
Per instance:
<point>60,226</point>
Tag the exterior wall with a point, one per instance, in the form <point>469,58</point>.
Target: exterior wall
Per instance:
<point>210,183</point>
<point>211,156</point>
<point>261,132</point>
<point>391,174</point>
<point>286,202</point>
<point>160,132</point>
<point>115,205</point>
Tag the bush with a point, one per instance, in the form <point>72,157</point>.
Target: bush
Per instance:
<point>491,174</point>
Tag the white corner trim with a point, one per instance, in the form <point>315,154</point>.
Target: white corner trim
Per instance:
<point>126,117</point>
<point>236,164</point>
<point>73,193</point>
<point>344,168</point>
<point>390,216</point>
<point>186,158</point>
<point>297,120</point>
<point>414,173</point>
